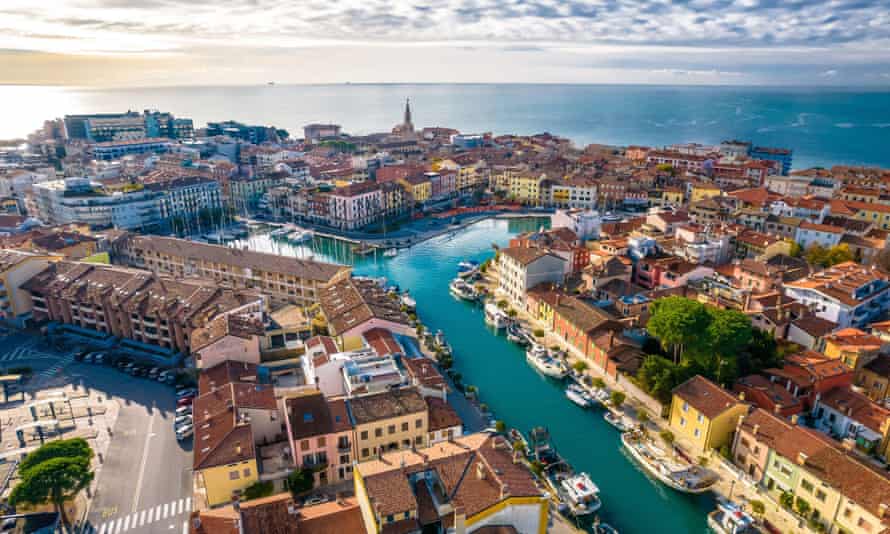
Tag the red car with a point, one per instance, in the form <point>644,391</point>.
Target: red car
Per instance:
<point>185,401</point>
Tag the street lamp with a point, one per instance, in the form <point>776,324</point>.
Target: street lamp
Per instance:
<point>731,487</point>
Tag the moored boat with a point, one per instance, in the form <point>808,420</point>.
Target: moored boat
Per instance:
<point>580,494</point>
<point>657,462</point>
<point>408,302</point>
<point>517,335</point>
<point>728,518</point>
<point>618,421</point>
<point>546,364</point>
<point>467,265</point>
<point>579,396</point>
<point>390,253</point>
<point>462,290</point>
<point>599,527</point>
<point>495,316</point>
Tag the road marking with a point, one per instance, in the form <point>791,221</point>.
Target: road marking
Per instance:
<point>165,510</point>
<point>148,436</point>
<point>158,513</point>
<point>142,518</point>
<point>114,526</point>
<point>126,524</point>
<point>102,529</point>
<point>181,504</point>
<point>185,527</point>
<point>188,503</point>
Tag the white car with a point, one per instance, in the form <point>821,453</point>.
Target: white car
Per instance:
<point>183,420</point>
<point>183,410</point>
<point>184,432</point>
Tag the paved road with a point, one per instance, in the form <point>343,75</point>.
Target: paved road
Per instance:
<point>144,485</point>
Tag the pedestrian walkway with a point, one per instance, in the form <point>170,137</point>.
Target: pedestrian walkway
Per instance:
<point>61,363</point>
<point>142,520</point>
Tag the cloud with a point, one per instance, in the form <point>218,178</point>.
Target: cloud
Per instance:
<point>830,73</point>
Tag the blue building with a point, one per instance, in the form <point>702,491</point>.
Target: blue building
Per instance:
<point>782,155</point>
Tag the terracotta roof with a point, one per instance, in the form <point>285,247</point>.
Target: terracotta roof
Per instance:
<point>352,302</point>
<point>382,341</point>
<point>854,339</point>
<point>278,514</point>
<point>312,415</point>
<point>424,372</point>
<point>386,405</point>
<point>705,396</point>
<point>814,325</point>
<point>526,255</point>
<point>441,414</point>
<point>856,406</point>
<point>225,373</point>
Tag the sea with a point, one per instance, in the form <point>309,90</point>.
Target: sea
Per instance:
<point>824,126</point>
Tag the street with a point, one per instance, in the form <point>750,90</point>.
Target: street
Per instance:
<point>145,482</point>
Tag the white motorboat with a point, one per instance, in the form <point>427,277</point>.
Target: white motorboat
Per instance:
<point>462,290</point>
<point>618,421</point>
<point>602,396</point>
<point>579,396</point>
<point>658,463</point>
<point>730,519</point>
<point>300,236</point>
<point>546,364</point>
<point>279,232</point>
<point>390,253</point>
<point>408,302</point>
<point>517,335</point>
<point>580,494</point>
<point>467,265</point>
<point>495,316</point>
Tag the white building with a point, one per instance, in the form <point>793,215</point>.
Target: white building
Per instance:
<point>572,194</point>
<point>585,223</point>
<point>77,200</point>
<point>824,235</point>
<point>353,373</point>
<point>355,205</point>
<point>848,294</point>
<point>186,197</point>
<point>520,269</point>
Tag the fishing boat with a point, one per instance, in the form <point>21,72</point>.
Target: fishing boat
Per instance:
<point>579,396</point>
<point>408,302</point>
<point>495,316</point>
<point>541,450</point>
<point>580,494</point>
<point>618,421</point>
<point>546,364</point>
<point>602,396</point>
<point>467,265</point>
<point>659,464</point>
<point>462,290</point>
<point>390,253</point>
<point>728,518</point>
<point>517,335</point>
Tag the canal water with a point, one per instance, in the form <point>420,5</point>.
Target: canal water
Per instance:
<point>517,394</point>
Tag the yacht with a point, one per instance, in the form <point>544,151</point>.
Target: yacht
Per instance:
<point>279,232</point>
<point>618,421</point>
<point>300,236</point>
<point>579,396</point>
<point>408,302</point>
<point>462,290</point>
<point>541,360</point>
<point>517,335</point>
<point>659,463</point>
<point>580,494</point>
<point>495,316</point>
<point>390,253</point>
<point>467,265</point>
<point>730,519</point>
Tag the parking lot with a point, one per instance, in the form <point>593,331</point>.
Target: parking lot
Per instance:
<point>144,481</point>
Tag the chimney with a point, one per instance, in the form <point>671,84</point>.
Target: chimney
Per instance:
<point>755,430</point>
<point>794,419</point>
<point>882,510</point>
<point>801,458</point>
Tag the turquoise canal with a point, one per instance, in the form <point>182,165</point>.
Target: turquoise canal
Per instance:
<point>517,394</point>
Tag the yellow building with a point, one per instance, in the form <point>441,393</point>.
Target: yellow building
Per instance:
<point>389,421</point>
<point>526,188</point>
<point>419,188</point>
<point>16,268</point>
<point>704,415</point>
<point>877,214</point>
<point>671,197</point>
<point>457,486</point>
<point>852,346</point>
<point>701,191</point>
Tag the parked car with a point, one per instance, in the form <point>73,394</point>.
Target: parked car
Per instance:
<point>186,392</point>
<point>153,372</point>
<point>182,420</point>
<point>184,432</point>
<point>183,410</point>
<point>185,401</point>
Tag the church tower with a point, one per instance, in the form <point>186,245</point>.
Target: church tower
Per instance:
<point>408,125</point>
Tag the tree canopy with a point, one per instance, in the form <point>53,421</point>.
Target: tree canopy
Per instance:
<point>816,254</point>
<point>678,323</point>
<point>63,448</point>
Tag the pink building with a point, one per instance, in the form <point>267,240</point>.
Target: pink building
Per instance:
<point>320,434</point>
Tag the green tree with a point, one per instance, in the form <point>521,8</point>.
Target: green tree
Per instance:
<point>580,366</point>
<point>300,481</point>
<point>816,254</point>
<point>678,323</point>
<point>598,383</point>
<point>642,416</point>
<point>757,507</point>
<point>617,398</point>
<point>258,490</point>
<point>667,436</point>
<point>796,250</point>
<point>63,448</point>
<point>658,376</point>
<point>500,426</point>
<point>52,481</point>
<point>786,499</point>
<point>802,506</point>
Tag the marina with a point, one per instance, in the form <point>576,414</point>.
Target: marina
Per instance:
<point>514,391</point>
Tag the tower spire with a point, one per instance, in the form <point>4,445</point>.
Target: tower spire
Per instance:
<point>407,111</point>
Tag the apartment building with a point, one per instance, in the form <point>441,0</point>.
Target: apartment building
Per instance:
<point>78,200</point>
<point>469,485</point>
<point>848,294</point>
<point>16,268</point>
<point>320,435</point>
<point>388,421</point>
<point>147,311</point>
<point>704,415</point>
<point>351,307</point>
<point>522,268</point>
<point>283,279</point>
<point>187,197</point>
<point>355,206</point>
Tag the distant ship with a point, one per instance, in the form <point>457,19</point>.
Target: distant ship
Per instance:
<point>270,83</point>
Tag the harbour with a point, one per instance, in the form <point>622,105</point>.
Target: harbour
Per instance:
<point>517,394</point>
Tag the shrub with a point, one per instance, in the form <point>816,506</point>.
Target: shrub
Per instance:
<point>599,383</point>
<point>667,436</point>
<point>258,490</point>
<point>617,398</point>
<point>502,304</point>
<point>643,415</point>
<point>580,366</point>
<point>300,481</point>
<point>802,506</point>
<point>500,426</point>
<point>786,499</point>
<point>538,332</point>
<point>757,507</point>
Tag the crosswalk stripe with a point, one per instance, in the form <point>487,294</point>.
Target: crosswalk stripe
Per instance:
<point>188,504</point>
<point>112,528</point>
<point>102,529</point>
<point>181,505</point>
<point>185,527</point>
<point>158,513</point>
<point>126,523</point>
<point>141,518</point>
<point>165,510</point>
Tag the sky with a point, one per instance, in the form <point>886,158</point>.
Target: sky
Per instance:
<point>221,42</point>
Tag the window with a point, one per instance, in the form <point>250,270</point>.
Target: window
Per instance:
<point>364,434</point>
<point>820,495</point>
<point>304,445</point>
<point>682,422</point>
<point>701,418</point>
<point>807,485</point>
<point>697,432</point>
<point>246,472</point>
<point>364,453</point>
<point>685,406</point>
<point>233,475</point>
<point>391,429</point>
<point>378,432</point>
<point>418,440</point>
<point>405,426</point>
<point>418,423</point>
<point>321,442</point>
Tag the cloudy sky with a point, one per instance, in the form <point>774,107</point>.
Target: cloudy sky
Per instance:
<point>196,42</point>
